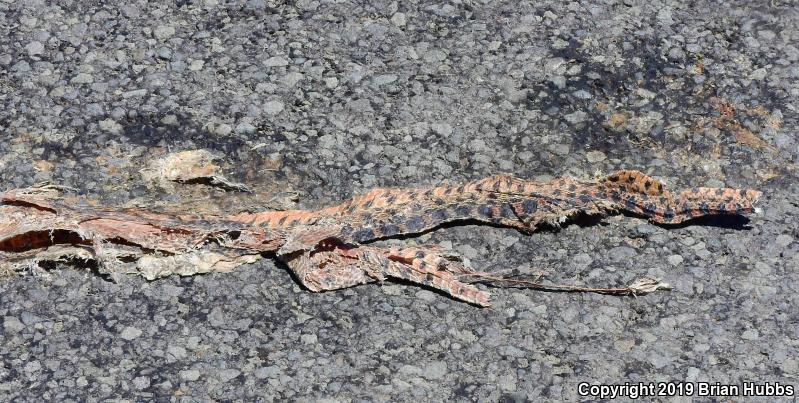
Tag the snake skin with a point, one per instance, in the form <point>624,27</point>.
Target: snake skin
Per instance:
<point>334,258</point>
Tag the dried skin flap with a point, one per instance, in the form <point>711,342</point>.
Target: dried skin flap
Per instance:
<point>180,167</point>
<point>188,166</point>
<point>35,227</point>
<point>190,263</point>
<point>15,262</point>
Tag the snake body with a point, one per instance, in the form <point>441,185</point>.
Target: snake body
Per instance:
<point>330,248</point>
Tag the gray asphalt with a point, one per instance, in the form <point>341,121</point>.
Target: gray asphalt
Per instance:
<point>329,99</point>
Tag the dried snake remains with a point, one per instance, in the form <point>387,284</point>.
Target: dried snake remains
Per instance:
<point>331,248</point>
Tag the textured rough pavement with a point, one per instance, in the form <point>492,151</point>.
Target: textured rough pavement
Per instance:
<point>327,99</point>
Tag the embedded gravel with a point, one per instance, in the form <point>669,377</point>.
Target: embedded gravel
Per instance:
<point>333,98</point>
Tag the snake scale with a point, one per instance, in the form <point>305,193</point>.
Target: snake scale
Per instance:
<point>331,248</point>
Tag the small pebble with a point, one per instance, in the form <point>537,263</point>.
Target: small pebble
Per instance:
<point>189,375</point>
<point>34,48</point>
<point>130,333</point>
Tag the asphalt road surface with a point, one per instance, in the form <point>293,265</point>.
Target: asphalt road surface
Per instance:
<point>323,100</point>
